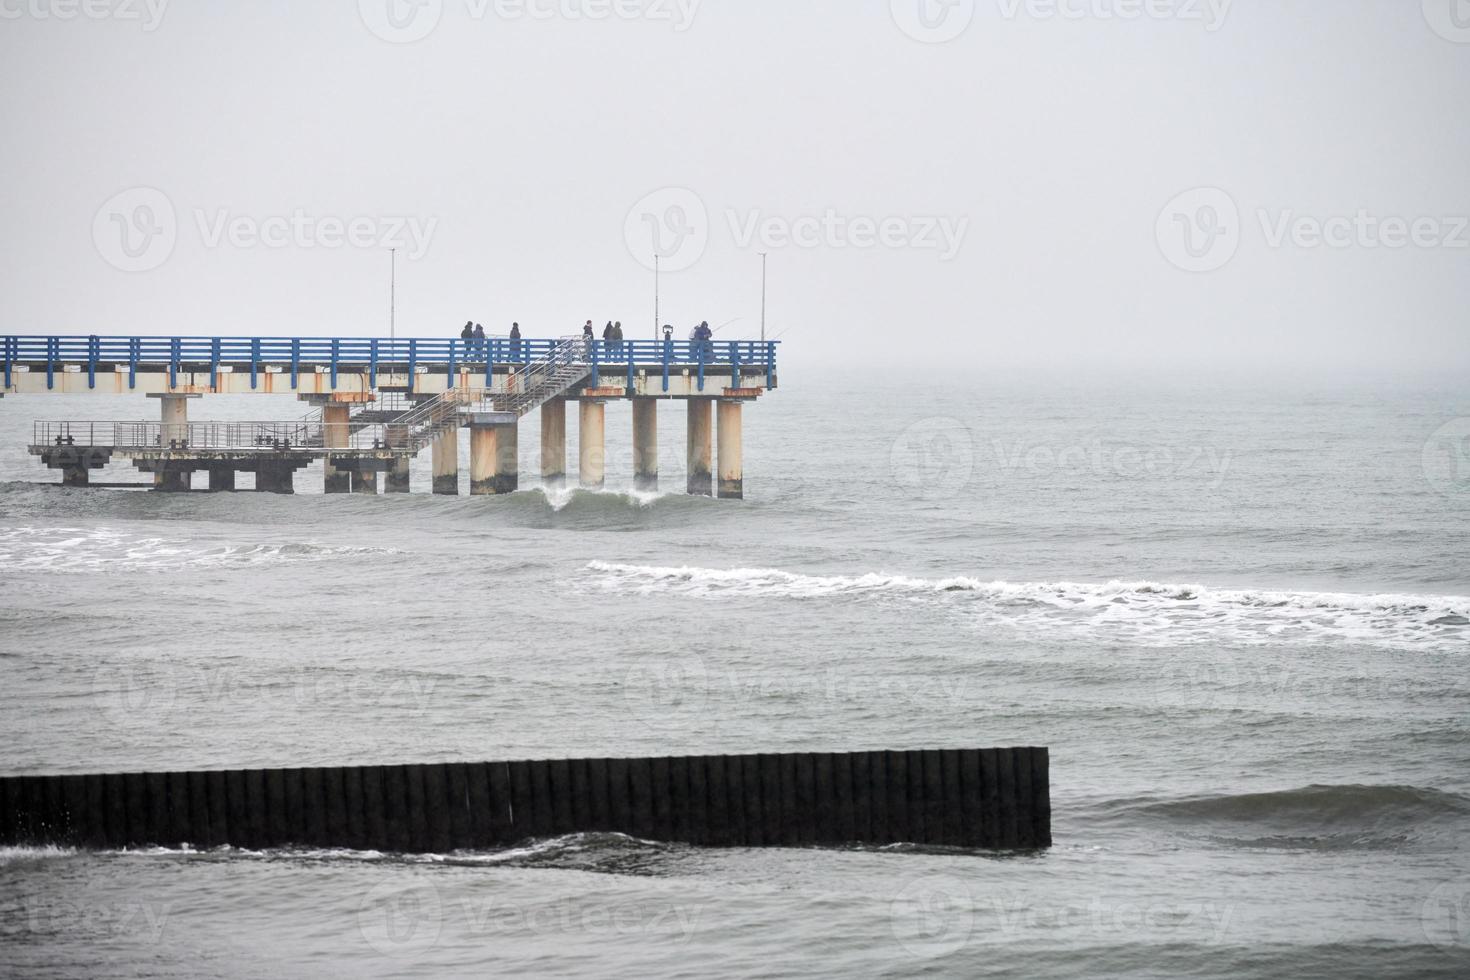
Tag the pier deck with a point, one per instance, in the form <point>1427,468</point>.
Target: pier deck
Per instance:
<point>380,402</point>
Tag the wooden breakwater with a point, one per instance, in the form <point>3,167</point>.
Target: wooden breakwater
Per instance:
<point>973,798</point>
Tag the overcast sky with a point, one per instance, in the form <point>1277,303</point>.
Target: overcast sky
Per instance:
<point>1002,182</point>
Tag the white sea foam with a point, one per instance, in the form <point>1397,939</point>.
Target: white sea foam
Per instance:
<point>1137,612</point>
<point>73,549</point>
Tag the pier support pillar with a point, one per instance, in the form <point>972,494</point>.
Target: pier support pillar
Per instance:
<point>175,418</point>
<point>446,462</point>
<point>554,444</point>
<point>336,419</point>
<point>172,481</point>
<point>645,444</point>
<point>591,444</point>
<point>732,480</point>
<point>75,476</point>
<point>365,481</point>
<point>493,451</point>
<point>398,479</point>
<point>699,452</point>
<point>275,477</point>
<point>221,478</point>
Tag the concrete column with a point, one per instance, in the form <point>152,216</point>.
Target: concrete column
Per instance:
<point>335,435</point>
<point>446,463</point>
<point>398,479</point>
<point>732,481</point>
<point>274,477</point>
<point>175,417</point>
<point>554,443</point>
<point>75,476</point>
<point>172,481</point>
<point>493,465</point>
<point>698,453</point>
<point>591,444</point>
<point>365,481</point>
<point>221,478</point>
<point>645,444</point>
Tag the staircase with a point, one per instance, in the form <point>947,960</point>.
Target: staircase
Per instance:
<point>535,384</point>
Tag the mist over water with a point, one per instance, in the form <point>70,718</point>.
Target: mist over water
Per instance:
<point>1239,615</point>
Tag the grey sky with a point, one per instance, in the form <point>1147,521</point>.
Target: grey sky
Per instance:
<point>1042,146</point>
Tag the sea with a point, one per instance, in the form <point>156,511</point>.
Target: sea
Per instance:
<point>1235,608</point>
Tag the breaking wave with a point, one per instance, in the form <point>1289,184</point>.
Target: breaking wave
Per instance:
<point>1141,612</point>
<point>72,549</point>
<point>1312,817</point>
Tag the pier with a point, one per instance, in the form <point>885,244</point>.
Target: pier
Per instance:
<point>964,798</point>
<point>376,404</point>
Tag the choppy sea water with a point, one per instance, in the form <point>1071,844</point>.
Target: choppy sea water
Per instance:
<point>1239,615</point>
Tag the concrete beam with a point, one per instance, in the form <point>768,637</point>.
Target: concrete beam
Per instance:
<point>698,447</point>
<point>732,480</point>
<point>645,445</point>
<point>591,445</point>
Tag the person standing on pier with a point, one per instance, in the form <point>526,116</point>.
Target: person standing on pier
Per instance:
<point>588,339</point>
<point>617,338</point>
<point>468,335</point>
<point>479,341</point>
<point>515,341</point>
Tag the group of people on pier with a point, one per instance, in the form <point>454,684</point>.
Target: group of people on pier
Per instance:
<point>477,343</point>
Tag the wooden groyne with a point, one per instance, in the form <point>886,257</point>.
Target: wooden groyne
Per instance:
<point>971,798</point>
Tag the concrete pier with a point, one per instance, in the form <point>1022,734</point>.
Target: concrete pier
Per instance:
<point>175,418</point>
<point>446,463</point>
<point>494,448</point>
<point>554,443</point>
<point>699,447</point>
<point>365,481</point>
<point>398,479</point>
<point>221,478</point>
<point>591,444</point>
<point>645,445</point>
<point>732,483</point>
<point>272,477</point>
<point>336,420</point>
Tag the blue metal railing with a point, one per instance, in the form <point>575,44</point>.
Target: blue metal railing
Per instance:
<point>371,354</point>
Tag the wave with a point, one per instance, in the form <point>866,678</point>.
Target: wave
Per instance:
<point>1312,817</point>
<point>71,549</point>
<point>1138,612</point>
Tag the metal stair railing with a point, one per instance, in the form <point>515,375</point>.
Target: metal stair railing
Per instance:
<point>530,387</point>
